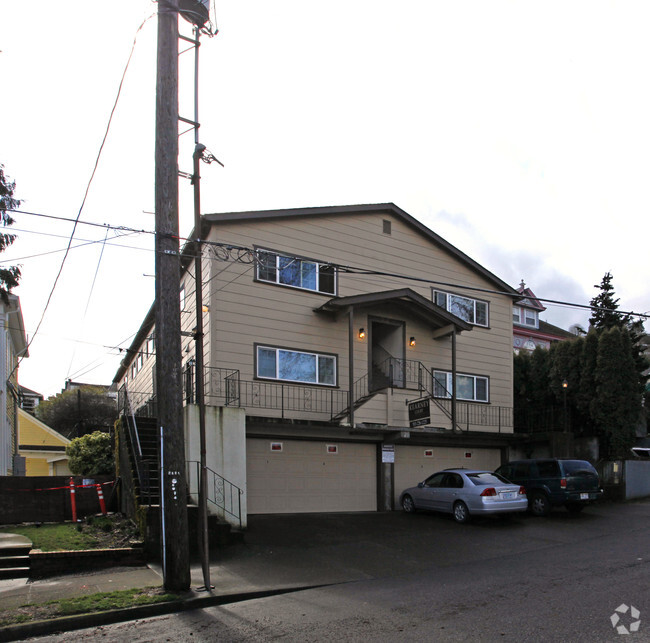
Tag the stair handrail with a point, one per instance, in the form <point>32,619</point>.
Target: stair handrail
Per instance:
<point>216,478</point>
<point>135,443</point>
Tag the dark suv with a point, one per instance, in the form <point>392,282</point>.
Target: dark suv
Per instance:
<point>552,482</point>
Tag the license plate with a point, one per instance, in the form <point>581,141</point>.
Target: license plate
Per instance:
<point>509,495</point>
<point>584,496</point>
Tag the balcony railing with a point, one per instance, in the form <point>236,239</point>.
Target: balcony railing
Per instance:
<point>224,387</point>
<point>285,398</point>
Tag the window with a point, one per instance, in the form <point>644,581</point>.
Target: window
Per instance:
<point>296,366</point>
<point>295,272</point>
<point>525,317</point>
<point>471,388</point>
<point>471,310</point>
<point>150,345</point>
<point>182,295</point>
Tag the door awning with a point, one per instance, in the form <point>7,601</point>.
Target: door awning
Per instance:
<point>404,301</point>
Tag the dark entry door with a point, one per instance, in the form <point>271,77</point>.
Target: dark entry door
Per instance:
<point>386,354</point>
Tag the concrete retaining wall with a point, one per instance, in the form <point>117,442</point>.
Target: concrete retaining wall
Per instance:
<point>56,563</point>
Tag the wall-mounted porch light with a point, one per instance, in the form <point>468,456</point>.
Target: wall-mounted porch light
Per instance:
<point>362,333</point>
<point>412,341</point>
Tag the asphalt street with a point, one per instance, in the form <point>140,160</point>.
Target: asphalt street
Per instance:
<point>422,577</point>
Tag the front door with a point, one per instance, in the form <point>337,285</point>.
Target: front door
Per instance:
<point>386,354</point>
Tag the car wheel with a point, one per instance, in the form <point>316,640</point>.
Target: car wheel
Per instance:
<point>574,508</point>
<point>408,505</point>
<point>461,512</point>
<point>539,505</point>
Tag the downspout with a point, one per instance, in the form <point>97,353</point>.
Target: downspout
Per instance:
<point>351,363</point>
<point>453,379</point>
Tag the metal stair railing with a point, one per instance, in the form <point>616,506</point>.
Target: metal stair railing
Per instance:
<point>142,467</point>
<point>220,492</point>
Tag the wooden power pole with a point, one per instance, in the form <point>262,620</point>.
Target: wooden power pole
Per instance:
<point>169,391</point>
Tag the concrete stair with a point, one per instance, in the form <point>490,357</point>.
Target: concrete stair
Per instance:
<point>14,556</point>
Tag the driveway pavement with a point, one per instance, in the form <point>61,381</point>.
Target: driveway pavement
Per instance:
<point>288,552</point>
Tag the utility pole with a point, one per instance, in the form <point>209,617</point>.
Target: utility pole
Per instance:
<point>169,394</point>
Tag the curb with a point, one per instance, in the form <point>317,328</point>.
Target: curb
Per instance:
<point>95,619</point>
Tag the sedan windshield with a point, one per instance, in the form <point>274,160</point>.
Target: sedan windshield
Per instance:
<point>485,478</point>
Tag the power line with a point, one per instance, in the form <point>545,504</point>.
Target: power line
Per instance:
<point>221,252</point>
<point>92,176</point>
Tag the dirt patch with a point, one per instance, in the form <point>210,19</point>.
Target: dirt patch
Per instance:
<point>110,531</point>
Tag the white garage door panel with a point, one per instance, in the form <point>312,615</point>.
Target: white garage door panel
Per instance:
<point>413,466</point>
<point>304,477</point>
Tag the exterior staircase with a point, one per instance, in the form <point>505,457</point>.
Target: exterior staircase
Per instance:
<point>143,434</point>
<point>14,556</point>
<point>140,440</point>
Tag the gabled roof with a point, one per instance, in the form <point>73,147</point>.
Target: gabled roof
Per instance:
<point>406,299</point>
<point>207,220</point>
<point>528,299</point>
<point>338,210</point>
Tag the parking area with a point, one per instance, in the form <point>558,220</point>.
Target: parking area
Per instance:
<point>287,550</point>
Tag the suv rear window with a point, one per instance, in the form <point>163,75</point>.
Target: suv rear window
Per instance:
<point>548,469</point>
<point>577,467</point>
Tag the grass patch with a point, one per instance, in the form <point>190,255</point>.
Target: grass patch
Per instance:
<point>56,537</point>
<point>95,532</point>
<point>100,602</point>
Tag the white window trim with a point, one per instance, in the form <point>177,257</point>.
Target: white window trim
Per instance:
<point>277,281</point>
<point>291,350</point>
<point>520,312</point>
<point>448,385</point>
<point>474,302</point>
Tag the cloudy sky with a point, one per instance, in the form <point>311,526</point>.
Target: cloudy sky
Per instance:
<point>519,131</point>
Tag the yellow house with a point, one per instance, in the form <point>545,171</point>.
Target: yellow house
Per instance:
<point>42,447</point>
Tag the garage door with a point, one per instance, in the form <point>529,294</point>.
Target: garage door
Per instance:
<point>295,476</point>
<point>414,464</point>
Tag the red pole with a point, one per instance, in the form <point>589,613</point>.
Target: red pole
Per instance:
<point>100,494</point>
<point>73,500</point>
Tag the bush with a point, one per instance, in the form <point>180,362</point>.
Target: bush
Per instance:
<point>91,455</point>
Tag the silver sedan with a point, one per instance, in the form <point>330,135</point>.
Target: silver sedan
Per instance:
<point>465,493</point>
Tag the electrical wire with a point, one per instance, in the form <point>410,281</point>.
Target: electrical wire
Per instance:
<point>225,252</point>
<point>92,288</point>
<point>90,181</point>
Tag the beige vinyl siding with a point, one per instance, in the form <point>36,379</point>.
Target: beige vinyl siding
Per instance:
<point>244,312</point>
<point>248,311</point>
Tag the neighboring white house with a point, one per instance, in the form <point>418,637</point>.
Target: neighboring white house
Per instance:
<point>13,346</point>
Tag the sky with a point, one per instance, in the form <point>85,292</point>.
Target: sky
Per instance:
<point>518,131</point>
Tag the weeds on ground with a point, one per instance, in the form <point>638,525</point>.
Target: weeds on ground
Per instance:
<point>100,602</point>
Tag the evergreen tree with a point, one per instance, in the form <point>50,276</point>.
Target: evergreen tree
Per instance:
<point>617,405</point>
<point>605,315</point>
<point>10,275</point>
<point>587,399</point>
<point>604,311</point>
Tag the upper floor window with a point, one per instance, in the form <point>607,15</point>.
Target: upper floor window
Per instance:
<point>473,311</point>
<point>182,296</point>
<point>150,345</point>
<point>295,272</point>
<point>296,366</point>
<point>525,316</point>
<point>470,388</point>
